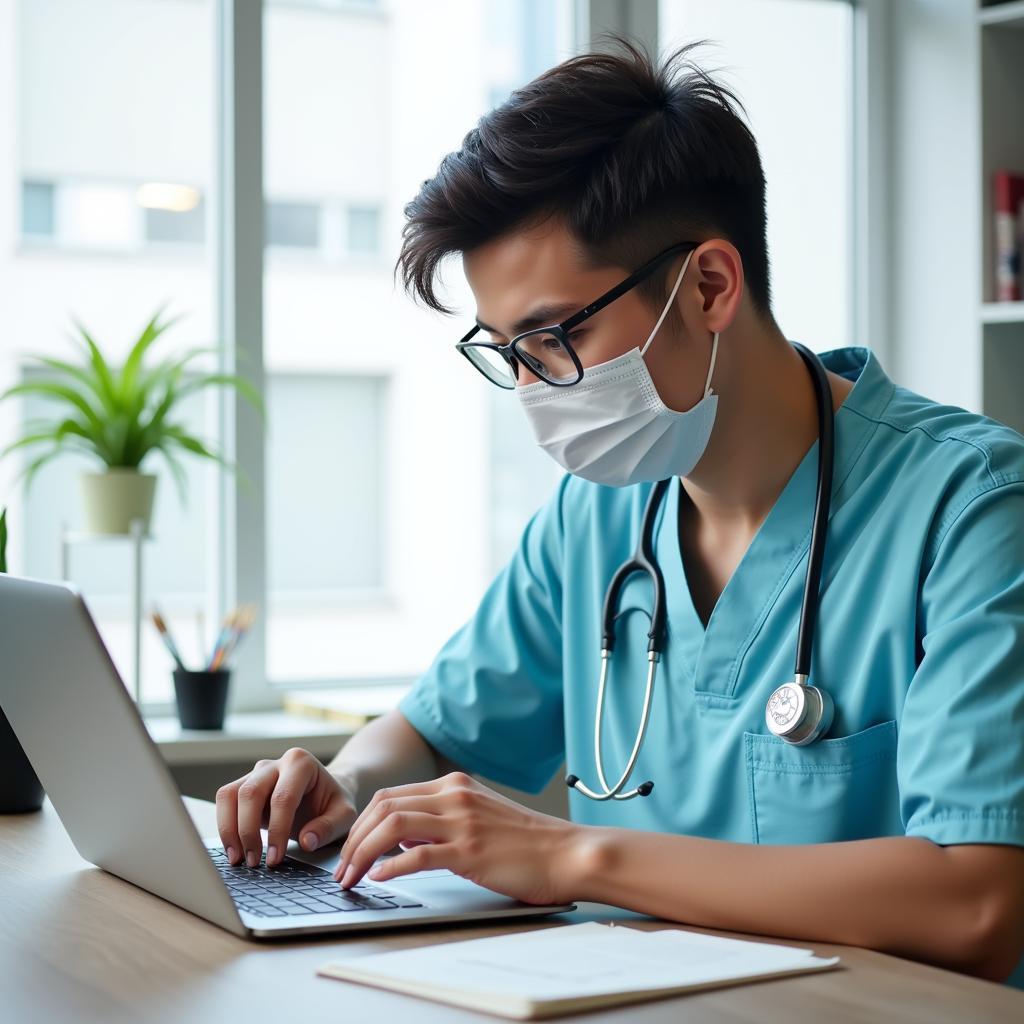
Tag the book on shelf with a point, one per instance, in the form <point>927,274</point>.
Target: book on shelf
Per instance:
<point>1008,229</point>
<point>352,705</point>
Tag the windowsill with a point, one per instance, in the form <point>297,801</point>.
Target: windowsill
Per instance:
<point>245,736</point>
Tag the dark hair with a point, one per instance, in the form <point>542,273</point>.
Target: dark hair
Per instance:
<point>633,157</point>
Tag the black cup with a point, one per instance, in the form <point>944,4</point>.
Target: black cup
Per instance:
<point>202,697</point>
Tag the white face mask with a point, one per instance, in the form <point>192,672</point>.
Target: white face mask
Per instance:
<point>613,428</point>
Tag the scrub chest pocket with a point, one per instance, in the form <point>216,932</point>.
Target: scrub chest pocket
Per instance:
<point>830,791</point>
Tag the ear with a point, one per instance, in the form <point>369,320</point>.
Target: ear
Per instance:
<point>719,281</point>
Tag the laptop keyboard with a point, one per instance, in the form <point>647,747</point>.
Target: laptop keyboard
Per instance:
<point>294,887</point>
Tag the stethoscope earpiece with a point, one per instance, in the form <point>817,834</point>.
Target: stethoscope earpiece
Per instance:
<point>644,789</point>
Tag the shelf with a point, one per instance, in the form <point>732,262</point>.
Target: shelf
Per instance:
<point>1009,15</point>
<point>87,536</point>
<point>1002,313</point>
<point>246,736</point>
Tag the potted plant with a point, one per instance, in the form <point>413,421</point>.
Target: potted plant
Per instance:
<point>119,415</point>
<point>20,788</point>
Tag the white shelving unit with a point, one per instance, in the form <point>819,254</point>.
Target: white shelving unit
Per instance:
<point>1001,125</point>
<point>70,538</point>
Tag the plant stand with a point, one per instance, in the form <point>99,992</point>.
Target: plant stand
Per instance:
<point>136,536</point>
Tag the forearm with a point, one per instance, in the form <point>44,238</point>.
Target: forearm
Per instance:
<point>899,895</point>
<point>385,752</point>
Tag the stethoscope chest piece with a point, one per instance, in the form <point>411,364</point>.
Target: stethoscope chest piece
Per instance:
<point>799,713</point>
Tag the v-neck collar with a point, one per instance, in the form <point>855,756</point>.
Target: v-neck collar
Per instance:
<point>712,658</point>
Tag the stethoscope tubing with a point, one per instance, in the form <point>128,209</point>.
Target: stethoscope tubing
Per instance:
<point>822,508</point>
<point>643,561</point>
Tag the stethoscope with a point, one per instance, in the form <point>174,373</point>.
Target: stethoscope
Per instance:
<point>796,712</point>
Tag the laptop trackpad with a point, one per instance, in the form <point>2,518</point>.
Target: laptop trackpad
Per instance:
<point>443,889</point>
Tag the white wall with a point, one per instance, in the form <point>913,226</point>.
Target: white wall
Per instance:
<point>935,267</point>
<point>789,63</point>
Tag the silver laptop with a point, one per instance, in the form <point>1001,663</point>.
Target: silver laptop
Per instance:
<point>116,797</point>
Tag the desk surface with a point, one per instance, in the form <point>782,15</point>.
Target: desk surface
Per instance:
<point>79,944</point>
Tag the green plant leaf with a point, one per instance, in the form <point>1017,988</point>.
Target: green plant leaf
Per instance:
<point>76,373</point>
<point>64,392</point>
<point>101,368</point>
<point>192,444</point>
<point>133,363</point>
<point>151,432</point>
<point>226,380</point>
<point>181,362</point>
<point>176,471</point>
<point>37,464</point>
<point>119,440</point>
<point>30,439</point>
<point>3,539</point>
<point>69,433</point>
<point>121,414</point>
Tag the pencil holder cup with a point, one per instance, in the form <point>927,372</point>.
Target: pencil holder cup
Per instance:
<point>202,697</point>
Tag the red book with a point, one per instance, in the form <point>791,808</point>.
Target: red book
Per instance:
<point>1008,214</point>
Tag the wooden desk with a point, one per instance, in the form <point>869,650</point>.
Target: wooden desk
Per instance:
<point>77,944</point>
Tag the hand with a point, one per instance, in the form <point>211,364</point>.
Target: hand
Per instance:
<point>458,823</point>
<point>292,795</point>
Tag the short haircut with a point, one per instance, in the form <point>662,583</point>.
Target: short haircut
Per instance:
<point>632,155</point>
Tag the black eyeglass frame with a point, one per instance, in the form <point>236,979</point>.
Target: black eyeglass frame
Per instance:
<point>511,352</point>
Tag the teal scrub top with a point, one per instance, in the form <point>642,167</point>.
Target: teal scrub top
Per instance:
<point>919,640</point>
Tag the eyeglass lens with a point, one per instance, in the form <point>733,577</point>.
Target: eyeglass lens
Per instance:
<point>546,357</point>
<point>543,354</point>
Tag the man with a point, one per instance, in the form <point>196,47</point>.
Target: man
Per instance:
<point>901,828</point>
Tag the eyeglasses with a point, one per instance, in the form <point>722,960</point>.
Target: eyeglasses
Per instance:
<point>546,351</point>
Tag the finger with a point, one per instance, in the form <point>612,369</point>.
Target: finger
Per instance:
<point>392,793</point>
<point>429,803</point>
<point>253,794</point>
<point>400,825</point>
<point>420,858</point>
<point>294,782</point>
<point>334,822</point>
<point>227,820</point>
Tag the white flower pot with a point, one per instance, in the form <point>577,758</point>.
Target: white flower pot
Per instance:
<point>114,498</point>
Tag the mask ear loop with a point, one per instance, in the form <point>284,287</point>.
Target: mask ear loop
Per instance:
<point>711,368</point>
<point>664,313</point>
<point>668,305</point>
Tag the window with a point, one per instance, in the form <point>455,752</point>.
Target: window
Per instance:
<point>395,483</point>
<point>167,223</point>
<point>364,230</point>
<point>319,537</point>
<point>293,225</point>
<point>110,124</point>
<point>98,215</point>
<point>37,208</point>
<point>798,94</point>
<point>111,214</point>
<point>392,453</point>
<point>174,562</point>
<point>326,508</point>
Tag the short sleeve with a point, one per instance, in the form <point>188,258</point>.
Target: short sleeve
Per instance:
<point>960,756</point>
<point>492,699</point>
